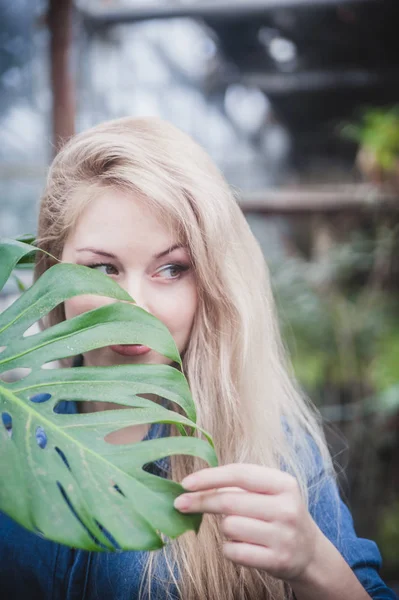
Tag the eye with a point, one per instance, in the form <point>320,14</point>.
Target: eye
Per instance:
<point>105,268</point>
<point>172,271</point>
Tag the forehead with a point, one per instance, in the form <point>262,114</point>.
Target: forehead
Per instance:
<point>117,215</point>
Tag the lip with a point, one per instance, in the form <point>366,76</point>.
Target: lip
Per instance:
<point>130,349</point>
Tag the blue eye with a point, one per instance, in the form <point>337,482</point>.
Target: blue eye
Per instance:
<point>175,270</point>
<point>105,268</point>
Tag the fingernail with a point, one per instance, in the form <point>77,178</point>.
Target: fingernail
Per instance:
<point>181,503</point>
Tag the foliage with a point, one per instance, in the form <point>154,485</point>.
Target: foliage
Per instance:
<point>60,478</point>
<point>389,533</point>
<point>339,314</point>
<point>340,327</point>
<point>378,131</point>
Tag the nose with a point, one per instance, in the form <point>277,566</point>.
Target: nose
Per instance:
<point>136,288</point>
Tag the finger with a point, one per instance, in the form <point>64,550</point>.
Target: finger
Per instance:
<point>187,500</point>
<point>256,506</point>
<point>253,478</point>
<point>251,531</point>
<point>249,555</point>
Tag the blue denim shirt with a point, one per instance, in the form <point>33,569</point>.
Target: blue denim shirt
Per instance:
<point>32,567</point>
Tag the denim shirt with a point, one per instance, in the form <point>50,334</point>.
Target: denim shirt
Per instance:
<point>32,567</point>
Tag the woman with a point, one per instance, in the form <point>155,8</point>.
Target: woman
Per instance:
<point>139,200</point>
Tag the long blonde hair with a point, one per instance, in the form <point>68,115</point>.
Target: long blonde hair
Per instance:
<point>241,381</point>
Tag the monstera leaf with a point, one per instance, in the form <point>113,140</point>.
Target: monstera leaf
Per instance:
<point>59,477</point>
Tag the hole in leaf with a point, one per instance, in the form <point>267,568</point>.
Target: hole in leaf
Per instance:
<point>15,374</point>
<point>108,535</point>
<point>73,511</point>
<point>2,348</point>
<point>7,422</point>
<point>165,402</point>
<point>118,489</point>
<point>148,396</point>
<point>41,437</point>
<point>128,435</point>
<point>63,457</point>
<point>31,330</point>
<point>158,467</point>
<point>40,398</point>
<point>52,364</point>
<point>66,407</point>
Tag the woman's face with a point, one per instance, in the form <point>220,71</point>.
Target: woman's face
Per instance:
<point>118,235</point>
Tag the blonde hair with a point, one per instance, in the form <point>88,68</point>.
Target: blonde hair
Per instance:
<point>235,362</point>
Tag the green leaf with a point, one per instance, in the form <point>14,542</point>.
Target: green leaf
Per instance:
<point>59,475</point>
<point>11,253</point>
<point>20,284</point>
<point>27,262</point>
<point>384,367</point>
<point>378,131</point>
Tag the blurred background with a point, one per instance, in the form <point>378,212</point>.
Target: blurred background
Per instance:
<point>297,101</point>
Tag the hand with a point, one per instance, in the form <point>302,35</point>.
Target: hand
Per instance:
<point>264,517</point>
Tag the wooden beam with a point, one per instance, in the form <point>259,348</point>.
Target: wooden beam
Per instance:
<point>208,9</point>
<point>304,200</point>
<point>62,84</point>
<point>279,84</point>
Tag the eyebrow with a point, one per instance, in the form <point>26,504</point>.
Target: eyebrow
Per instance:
<point>110,255</point>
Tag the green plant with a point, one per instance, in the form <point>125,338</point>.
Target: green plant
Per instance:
<point>340,325</point>
<point>59,477</point>
<point>388,533</point>
<point>378,132</point>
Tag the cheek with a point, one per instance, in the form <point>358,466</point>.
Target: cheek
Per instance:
<point>178,316</point>
<point>81,304</point>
